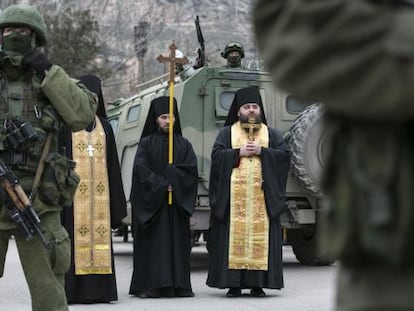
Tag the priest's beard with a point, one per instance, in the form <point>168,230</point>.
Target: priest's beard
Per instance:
<point>164,130</point>
<point>245,119</point>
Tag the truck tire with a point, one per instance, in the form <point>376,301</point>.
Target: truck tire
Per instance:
<point>305,248</point>
<point>306,142</point>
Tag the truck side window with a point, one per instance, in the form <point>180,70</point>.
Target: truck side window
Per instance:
<point>226,98</point>
<point>295,105</point>
<point>223,101</point>
<point>133,113</point>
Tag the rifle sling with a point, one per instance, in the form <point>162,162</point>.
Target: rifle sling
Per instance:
<point>41,165</point>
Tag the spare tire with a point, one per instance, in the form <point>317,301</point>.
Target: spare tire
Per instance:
<point>306,142</point>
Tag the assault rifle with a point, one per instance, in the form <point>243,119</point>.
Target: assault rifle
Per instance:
<point>201,58</point>
<point>20,208</point>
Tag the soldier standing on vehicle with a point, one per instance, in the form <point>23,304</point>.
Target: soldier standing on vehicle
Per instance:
<point>233,52</point>
<point>250,162</point>
<point>162,236</point>
<point>358,58</point>
<point>37,93</point>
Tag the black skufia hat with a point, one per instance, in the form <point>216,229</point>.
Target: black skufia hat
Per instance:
<point>243,96</point>
<point>159,106</point>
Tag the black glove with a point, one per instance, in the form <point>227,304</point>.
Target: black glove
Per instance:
<point>37,61</point>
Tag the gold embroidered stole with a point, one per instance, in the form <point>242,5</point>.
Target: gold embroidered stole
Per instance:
<point>92,230</point>
<point>249,224</point>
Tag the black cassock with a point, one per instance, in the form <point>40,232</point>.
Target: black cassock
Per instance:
<point>275,165</point>
<point>162,240</point>
<point>96,287</point>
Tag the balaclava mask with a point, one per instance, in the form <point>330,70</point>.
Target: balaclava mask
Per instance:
<point>17,43</point>
<point>234,60</point>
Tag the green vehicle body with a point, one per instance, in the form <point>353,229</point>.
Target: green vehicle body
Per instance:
<point>204,96</point>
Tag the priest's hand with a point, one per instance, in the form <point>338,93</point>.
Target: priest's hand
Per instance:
<point>250,149</point>
<point>255,148</point>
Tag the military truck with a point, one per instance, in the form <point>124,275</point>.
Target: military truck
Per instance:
<point>204,96</point>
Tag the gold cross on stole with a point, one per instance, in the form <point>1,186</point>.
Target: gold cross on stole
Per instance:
<point>90,150</point>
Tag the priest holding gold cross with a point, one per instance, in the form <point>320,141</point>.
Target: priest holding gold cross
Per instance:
<point>249,168</point>
<point>163,196</point>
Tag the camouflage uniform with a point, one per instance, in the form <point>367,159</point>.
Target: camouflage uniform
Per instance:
<point>46,99</point>
<point>358,58</point>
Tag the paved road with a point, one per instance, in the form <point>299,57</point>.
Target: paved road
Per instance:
<point>306,288</point>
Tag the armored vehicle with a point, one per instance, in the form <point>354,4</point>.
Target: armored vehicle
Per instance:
<point>204,96</point>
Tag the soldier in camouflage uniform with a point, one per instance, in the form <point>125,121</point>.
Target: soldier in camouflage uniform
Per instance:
<point>233,52</point>
<point>357,56</point>
<point>34,91</point>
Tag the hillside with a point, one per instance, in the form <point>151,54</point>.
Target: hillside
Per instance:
<point>166,21</point>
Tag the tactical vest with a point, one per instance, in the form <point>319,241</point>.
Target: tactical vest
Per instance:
<point>26,117</point>
<point>23,102</point>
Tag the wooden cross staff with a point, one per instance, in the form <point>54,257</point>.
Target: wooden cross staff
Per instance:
<point>251,126</point>
<point>172,60</point>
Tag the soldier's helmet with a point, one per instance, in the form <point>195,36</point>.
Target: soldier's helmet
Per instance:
<point>233,60</point>
<point>231,47</point>
<point>27,16</point>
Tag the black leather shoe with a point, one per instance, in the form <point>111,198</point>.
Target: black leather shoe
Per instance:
<point>257,292</point>
<point>234,292</point>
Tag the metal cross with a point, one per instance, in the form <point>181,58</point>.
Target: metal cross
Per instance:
<point>90,150</point>
<point>172,60</point>
<point>251,126</point>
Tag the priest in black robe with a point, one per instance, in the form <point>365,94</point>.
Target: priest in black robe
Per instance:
<point>162,239</point>
<point>250,163</point>
<point>98,209</point>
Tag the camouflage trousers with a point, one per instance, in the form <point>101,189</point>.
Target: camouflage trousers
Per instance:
<point>44,269</point>
<point>375,289</point>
